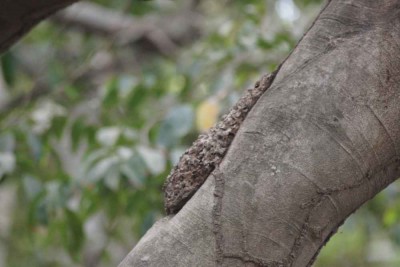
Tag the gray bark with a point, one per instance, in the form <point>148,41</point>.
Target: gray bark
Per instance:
<point>323,140</point>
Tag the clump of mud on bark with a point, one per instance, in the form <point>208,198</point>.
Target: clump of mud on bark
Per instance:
<point>198,162</point>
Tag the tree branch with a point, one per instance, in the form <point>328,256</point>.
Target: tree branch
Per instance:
<point>327,140</point>
<point>18,17</point>
<point>164,34</point>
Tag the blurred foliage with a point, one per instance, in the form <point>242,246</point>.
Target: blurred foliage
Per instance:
<point>89,158</point>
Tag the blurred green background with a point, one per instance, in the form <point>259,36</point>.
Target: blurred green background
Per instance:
<point>96,109</point>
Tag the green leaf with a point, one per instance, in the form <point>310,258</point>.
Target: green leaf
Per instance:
<point>72,92</point>
<point>7,142</point>
<point>390,217</point>
<point>112,178</point>
<point>108,136</point>
<point>8,67</point>
<point>177,124</point>
<point>35,145</point>
<point>154,158</point>
<point>101,168</point>
<point>136,97</point>
<point>57,125</point>
<point>74,236</point>
<point>135,170</point>
<point>111,96</point>
<point>148,221</point>
<point>32,187</point>
<point>77,132</point>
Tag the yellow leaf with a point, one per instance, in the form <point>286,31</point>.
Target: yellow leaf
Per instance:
<point>207,114</point>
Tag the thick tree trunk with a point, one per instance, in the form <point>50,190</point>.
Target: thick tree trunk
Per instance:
<point>324,139</point>
<point>17,17</point>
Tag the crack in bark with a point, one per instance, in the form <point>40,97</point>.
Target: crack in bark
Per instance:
<point>306,228</point>
<point>314,203</point>
<point>216,214</point>
<point>384,128</point>
<point>220,255</point>
<point>248,258</point>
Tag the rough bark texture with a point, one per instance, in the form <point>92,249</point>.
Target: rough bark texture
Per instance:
<point>207,152</point>
<point>17,17</point>
<point>322,140</point>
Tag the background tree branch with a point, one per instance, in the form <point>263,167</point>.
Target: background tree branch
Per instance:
<point>164,34</point>
<point>18,17</point>
<point>151,35</point>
